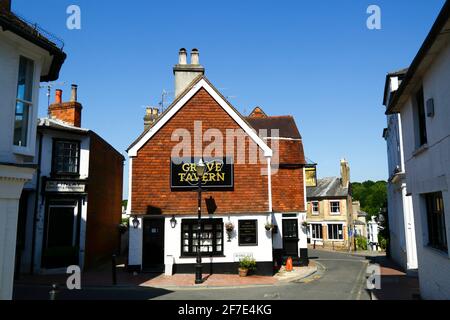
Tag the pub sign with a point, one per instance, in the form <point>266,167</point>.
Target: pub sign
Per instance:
<point>218,173</point>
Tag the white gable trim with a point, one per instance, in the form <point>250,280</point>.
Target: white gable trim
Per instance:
<point>201,84</point>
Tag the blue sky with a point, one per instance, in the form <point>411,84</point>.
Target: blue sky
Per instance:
<point>315,60</point>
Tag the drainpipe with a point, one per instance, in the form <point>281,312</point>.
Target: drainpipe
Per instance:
<point>36,202</point>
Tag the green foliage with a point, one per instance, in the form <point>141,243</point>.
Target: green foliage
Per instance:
<point>383,242</point>
<point>247,263</point>
<point>372,196</point>
<point>361,243</point>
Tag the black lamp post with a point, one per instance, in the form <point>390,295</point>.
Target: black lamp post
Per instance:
<point>200,168</point>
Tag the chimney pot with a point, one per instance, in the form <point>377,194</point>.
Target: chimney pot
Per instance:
<point>58,96</point>
<point>74,94</point>
<point>182,56</point>
<point>195,59</point>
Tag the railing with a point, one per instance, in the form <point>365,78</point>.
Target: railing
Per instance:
<point>39,31</point>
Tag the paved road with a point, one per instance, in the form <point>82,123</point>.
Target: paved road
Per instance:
<point>340,276</point>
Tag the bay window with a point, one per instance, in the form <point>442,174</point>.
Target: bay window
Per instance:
<point>24,102</point>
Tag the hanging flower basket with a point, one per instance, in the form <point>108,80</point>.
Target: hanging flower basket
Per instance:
<point>268,226</point>
<point>229,227</point>
<point>305,224</point>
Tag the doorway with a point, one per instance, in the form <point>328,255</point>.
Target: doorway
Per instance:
<point>61,235</point>
<point>153,245</point>
<point>290,237</point>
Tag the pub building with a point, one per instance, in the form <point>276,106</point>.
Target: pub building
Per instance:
<point>70,212</point>
<point>248,208</point>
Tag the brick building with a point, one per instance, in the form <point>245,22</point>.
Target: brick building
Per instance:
<point>255,178</point>
<point>69,213</point>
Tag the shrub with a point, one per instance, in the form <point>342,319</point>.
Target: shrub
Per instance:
<point>247,263</point>
<point>361,243</point>
<point>383,242</point>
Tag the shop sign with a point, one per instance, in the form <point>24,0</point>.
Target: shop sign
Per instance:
<point>218,173</point>
<point>65,186</point>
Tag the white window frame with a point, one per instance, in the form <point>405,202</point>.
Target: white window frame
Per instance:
<point>331,211</point>
<point>315,213</point>
<point>29,149</point>
<point>328,233</point>
<point>321,227</point>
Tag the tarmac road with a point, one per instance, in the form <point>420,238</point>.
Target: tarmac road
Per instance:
<point>340,276</point>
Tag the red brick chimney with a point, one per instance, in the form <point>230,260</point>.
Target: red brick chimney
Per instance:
<point>5,5</point>
<point>69,112</point>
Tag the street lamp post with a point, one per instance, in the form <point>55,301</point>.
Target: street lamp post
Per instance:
<point>200,169</point>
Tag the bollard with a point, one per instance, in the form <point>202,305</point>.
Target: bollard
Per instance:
<point>114,270</point>
<point>52,293</point>
<point>314,244</point>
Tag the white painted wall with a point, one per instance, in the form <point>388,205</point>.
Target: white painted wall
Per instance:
<point>12,179</point>
<point>400,208</point>
<point>261,252</point>
<point>135,243</point>
<point>428,172</point>
<point>46,167</point>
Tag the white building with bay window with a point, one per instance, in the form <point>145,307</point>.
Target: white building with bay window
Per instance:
<point>26,59</point>
<point>423,103</point>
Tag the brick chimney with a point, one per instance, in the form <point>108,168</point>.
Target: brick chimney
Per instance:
<point>151,114</point>
<point>69,112</point>
<point>5,5</point>
<point>186,73</point>
<point>345,173</point>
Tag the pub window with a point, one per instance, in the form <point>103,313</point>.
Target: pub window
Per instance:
<point>66,157</point>
<point>335,232</point>
<point>316,231</point>
<point>211,237</point>
<point>335,207</point>
<point>24,102</point>
<point>421,127</point>
<point>248,234</point>
<point>437,236</point>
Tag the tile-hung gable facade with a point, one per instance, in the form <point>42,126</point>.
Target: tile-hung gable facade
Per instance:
<point>238,190</point>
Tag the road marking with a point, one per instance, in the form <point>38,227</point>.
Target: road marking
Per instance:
<point>275,295</point>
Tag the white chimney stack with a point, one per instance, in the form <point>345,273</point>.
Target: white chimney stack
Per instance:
<point>186,73</point>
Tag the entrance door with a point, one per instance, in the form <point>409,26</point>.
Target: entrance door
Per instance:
<point>61,236</point>
<point>153,246</point>
<point>290,237</point>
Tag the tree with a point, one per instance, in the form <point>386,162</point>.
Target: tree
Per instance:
<point>372,196</point>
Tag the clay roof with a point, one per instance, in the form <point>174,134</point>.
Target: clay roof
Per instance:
<point>285,124</point>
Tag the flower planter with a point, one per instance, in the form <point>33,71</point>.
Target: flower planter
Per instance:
<point>243,272</point>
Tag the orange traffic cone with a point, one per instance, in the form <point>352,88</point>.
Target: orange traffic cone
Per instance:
<point>289,264</point>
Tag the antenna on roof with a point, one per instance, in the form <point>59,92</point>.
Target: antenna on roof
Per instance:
<point>49,87</point>
<point>164,96</point>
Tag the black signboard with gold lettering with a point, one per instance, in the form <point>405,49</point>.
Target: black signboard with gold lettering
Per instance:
<point>218,174</point>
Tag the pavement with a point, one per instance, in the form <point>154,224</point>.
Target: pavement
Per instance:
<point>332,276</point>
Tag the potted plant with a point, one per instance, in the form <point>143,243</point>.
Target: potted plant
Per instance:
<point>229,227</point>
<point>246,264</point>
<point>268,226</point>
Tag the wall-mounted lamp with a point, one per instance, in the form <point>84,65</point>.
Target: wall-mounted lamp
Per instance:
<point>136,222</point>
<point>173,222</point>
